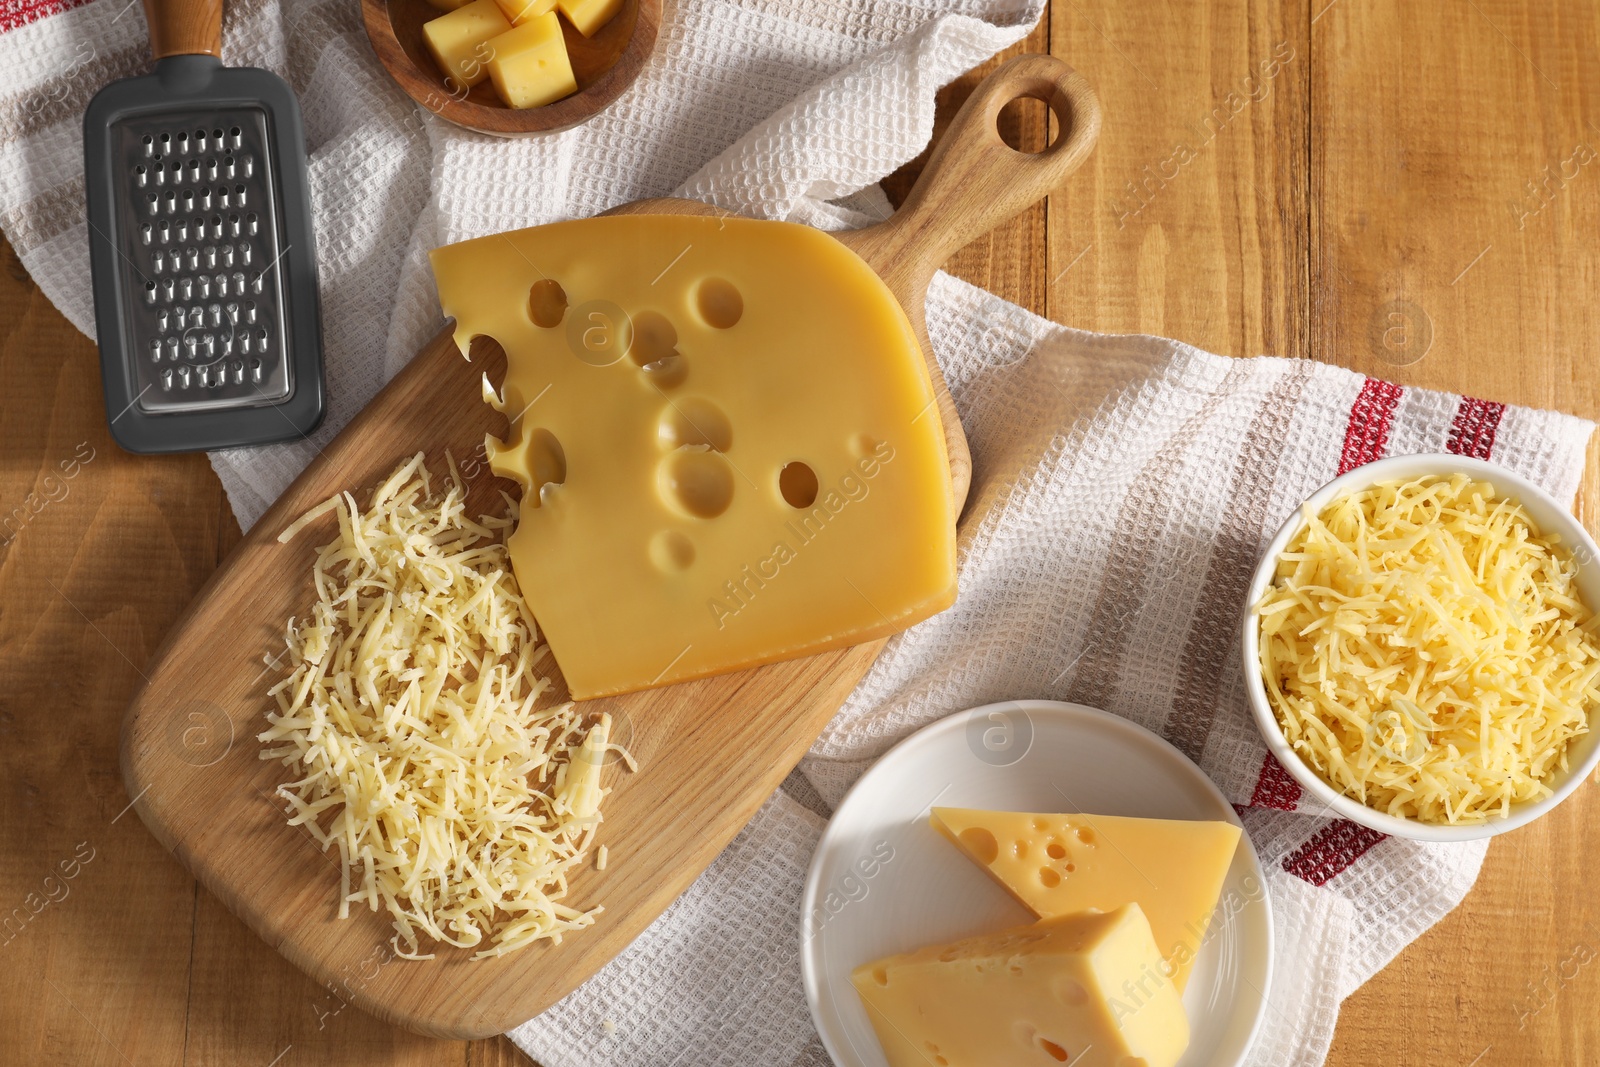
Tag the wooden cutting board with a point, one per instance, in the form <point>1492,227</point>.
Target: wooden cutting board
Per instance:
<point>710,751</point>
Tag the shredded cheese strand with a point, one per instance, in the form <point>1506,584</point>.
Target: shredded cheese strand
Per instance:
<point>1427,651</point>
<point>410,722</point>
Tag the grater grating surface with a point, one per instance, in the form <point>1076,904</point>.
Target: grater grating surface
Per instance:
<point>201,247</point>
<point>198,231</point>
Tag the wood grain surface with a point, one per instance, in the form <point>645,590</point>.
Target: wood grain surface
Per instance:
<point>1408,160</point>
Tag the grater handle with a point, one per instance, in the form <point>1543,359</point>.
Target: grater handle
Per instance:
<point>184,27</point>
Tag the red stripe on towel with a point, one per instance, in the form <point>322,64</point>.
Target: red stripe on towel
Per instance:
<point>1472,430</point>
<point>1275,787</point>
<point>1367,433</point>
<point>1331,851</point>
<point>15,13</point>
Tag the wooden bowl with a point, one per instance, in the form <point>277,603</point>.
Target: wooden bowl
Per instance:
<point>604,66</point>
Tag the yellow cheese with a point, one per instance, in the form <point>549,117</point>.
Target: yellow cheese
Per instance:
<point>1082,989</point>
<point>1427,651</point>
<point>459,41</point>
<point>587,16</point>
<point>519,11</point>
<point>1060,864</point>
<point>413,725</point>
<point>726,436</point>
<point>529,64</point>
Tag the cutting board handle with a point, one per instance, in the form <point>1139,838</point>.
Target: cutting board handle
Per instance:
<point>184,27</point>
<point>974,181</point>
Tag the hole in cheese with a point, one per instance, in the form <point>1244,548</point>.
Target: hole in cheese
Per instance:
<point>547,461</point>
<point>1055,850</point>
<point>695,420</point>
<point>654,339</point>
<point>720,303</point>
<point>1019,848</point>
<point>1050,877</point>
<point>671,551</point>
<point>1053,1050</point>
<point>697,481</point>
<point>1084,834</point>
<point>668,371</point>
<point>980,843</point>
<point>798,484</point>
<point>547,303</point>
<point>863,445</point>
<point>482,346</point>
<point>880,976</point>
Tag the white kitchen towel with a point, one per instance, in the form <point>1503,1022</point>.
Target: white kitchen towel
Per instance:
<point>1123,486</point>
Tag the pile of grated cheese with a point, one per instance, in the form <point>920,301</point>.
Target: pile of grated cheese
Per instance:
<point>410,720</point>
<point>1426,650</point>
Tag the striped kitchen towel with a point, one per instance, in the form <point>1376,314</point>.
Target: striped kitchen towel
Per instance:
<point>1123,486</point>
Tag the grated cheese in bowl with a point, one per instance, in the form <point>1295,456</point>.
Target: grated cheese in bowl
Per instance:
<point>411,723</point>
<point>1426,651</point>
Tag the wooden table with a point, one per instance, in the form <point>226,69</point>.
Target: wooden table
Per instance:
<point>1397,188</point>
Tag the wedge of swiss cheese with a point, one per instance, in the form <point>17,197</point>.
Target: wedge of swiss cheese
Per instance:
<point>1083,989</point>
<point>726,437</point>
<point>1060,864</point>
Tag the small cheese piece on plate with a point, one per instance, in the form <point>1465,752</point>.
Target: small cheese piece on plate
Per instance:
<point>1060,864</point>
<point>1083,989</point>
<point>587,16</point>
<point>519,11</point>
<point>529,64</point>
<point>459,41</point>
<point>726,436</point>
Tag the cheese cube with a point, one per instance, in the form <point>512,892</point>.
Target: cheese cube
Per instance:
<point>459,41</point>
<point>1083,989</point>
<point>726,437</point>
<point>520,11</point>
<point>529,64</point>
<point>1060,864</point>
<point>587,16</point>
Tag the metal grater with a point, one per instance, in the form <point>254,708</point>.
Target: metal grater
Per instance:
<point>201,247</point>
<point>203,288</point>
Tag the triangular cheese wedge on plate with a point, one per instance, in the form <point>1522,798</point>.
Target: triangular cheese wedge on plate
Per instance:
<point>1060,864</point>
<point>1082,989</point>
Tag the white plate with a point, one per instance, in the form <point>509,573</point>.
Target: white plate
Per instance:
<point>884,881</point>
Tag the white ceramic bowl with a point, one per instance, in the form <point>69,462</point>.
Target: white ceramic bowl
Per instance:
<point>1550,515</point>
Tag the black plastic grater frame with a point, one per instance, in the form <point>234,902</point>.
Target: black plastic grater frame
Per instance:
<point>206,307</point>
